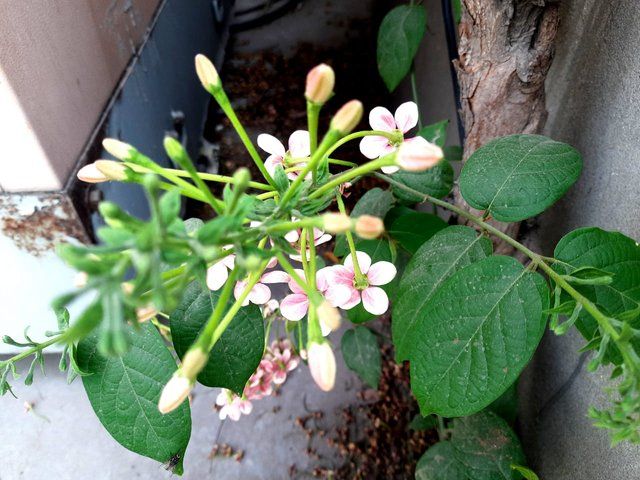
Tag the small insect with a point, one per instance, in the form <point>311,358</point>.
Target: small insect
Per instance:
<point>173,462</point>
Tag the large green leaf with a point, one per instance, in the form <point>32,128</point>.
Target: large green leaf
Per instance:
<point>445,253</point>
<point>482,447</point>
<point>475,335</point>
<point>124,393</point>
<point>362,354</point>
<point>239,350</point>
<point>436,181</point>
<point>435,133</point>
<point>399,37</point>
<point>415,228</point>
<point>519,176</point>
<point>611,252</point>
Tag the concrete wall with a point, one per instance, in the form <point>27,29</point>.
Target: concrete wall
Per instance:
<point>59,62</point>
<point>594,104</point>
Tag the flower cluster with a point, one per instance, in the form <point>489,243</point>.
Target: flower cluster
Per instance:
<point>278,361</point>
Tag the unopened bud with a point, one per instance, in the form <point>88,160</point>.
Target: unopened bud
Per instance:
<point>320,83</point>
<point>174,393</point>
<point>207,73</point>
<point>329,316</point>
<point>173,147</point>
<point>80,280</point>
<point>91,174</point>
<point>112,170</point>
<point>418,156</point>
<point>369,227</point>
<point>336,222</point>
<point>241,178</point>
<point>322,365</point>
<point>347,117</point>
<point>120,150</point>
<point>193,362</point>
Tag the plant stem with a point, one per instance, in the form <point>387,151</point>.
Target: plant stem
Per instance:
<point>359,277</point>
<point>313,111</point>
<point>351,174</point>
<point>32,350</point>
<point>312,257</point>
<point>288,226</point>
<point>354,135</point>
<point>287,267</point>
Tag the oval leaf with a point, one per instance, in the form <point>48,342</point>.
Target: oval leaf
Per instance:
<point>475,335</point>
<point>519,176</point>
<point>239,350</point>
<point>399,37</point>
<point>362,354</point>
<point>415,228</point>
<point>436,181</point>
<point>124,393</point>
<point>445,253</point>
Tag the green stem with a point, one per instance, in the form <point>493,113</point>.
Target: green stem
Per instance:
<point>352,173</point>
<point>285,227</point>
<point>287,267</point>
<point>359,277</point>
<point>313,112</point>
<point>31,351</point>
<point>312,257</point>
<point>354,135</point>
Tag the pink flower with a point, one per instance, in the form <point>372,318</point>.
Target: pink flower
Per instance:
<point>260,293</point>
<point>406,117</point>
<point>218,273</point>
<point>283,360</point>
<point>259,384</point>
<point>293,237</point>
<point>232,405</point>
<point>299,147</point>
<point>374,299</point>
<point>295,305</point>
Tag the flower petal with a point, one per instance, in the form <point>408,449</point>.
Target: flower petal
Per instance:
<point>271,144</point>
<point>340,274</point>
<point>229,261</point>
<point>364,262</point>
<point>272,162</point>
<point>292,237</point>
<point>406,116</point>
<point>322,280</point>
<point>293,285</point>
<point>273,261</point>
<point>260,294</point>
<point>381,273</point>
<point>294,307</point>
<point>277,276</point>
<point>375,300</point>
<point>354,299</point>
<point>381,119</point>
<point>237,291</point>
<point>389,169</point>
<point>300,144</point>
<point>338,295</point>
<point>217,274</point>
<point>373,146</point>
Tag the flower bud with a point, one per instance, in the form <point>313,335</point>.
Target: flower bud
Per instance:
<point>322,365</point>
<point>174,393</point>
<point>369,227</point>
<point>193,362</point>
<point>347,117</point>
<point>336,222</point>
<point>120,150</point>
<point>112,170</point>
<point>91,174</point>
<point>418,156</point>
<point>173,147</point>
<point>329,316</point>
<point>80,280</point>
<point>320,83</point>
<point>241,178</point>
<point>207,73</point>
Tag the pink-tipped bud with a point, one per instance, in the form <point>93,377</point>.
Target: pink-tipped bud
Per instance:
<point>369,227</point>
<point>174,393</point>
<point>322,365</point>
<point>120,150</point>
<point>418,156</point>
<point>207,73</point>
<point>347,117</point>
<point>329,316</point>
<point>112,170</point>
<point>336,222</point>
<point>91,174</point>
<point>193,363</point>
<point>320,83</point>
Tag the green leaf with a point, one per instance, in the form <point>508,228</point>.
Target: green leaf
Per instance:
<point>399,37</point>
<point>435,133</point>
<point>239,350</point>
<point>482,447</point>
<point>519,176</point>
<point>362,354</point>
<point>420,423</point>
<point>475,335</point>
<point>376,202</point>
<point>436,181</point>
<point>526,473</point>
<point>445,253</point>
<point>170,206</point>
<point>610,252</point>
<point>415,228</point>
<point>506,406</point>
<point>124,393</point>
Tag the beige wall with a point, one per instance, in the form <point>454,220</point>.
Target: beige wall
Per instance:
<point>59,63</point>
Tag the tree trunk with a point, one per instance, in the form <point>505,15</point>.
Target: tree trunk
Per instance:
<point>505,51</point>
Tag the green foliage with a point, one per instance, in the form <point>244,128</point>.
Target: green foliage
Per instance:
<point>517,177</point>
<point>435,133</point>
<point>362,354</point>
<point>413,229</point>
<point>399,37</point>
<point>124,393</point>
<point>437,182</point>
<point>482,447</point>
<point>236,355</point>
<point>420,423</point>
<point>475,335</point>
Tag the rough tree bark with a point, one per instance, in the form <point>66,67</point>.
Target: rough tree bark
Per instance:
<point>505,51</point>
